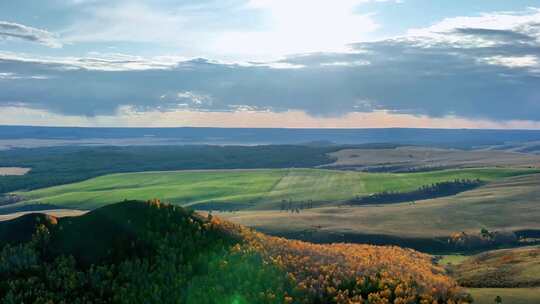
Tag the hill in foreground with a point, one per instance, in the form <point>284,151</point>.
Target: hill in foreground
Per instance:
<point>135,252</point>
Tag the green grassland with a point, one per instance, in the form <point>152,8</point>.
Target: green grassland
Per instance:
<point>258,188</point>
<point>507,204</point>
<point>452,259</point>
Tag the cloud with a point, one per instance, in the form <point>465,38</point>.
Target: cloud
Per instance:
<point>246,29</point>
<point>483,68</point>
<point>484,30</point>
<point>9,30</point>
<point>13,76</point>
<point>300,26</point>
<point>496,35</point>
<point>514,61</point>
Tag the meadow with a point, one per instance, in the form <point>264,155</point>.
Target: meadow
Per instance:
<point>406,159</point>
<point>505,268</point>
<point>508,204</point>
<point>52,166</point>
<point>247,189</point>
<point>511,274</point>
<point>508,295</point>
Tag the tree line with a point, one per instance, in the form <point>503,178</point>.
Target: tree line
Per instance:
<point>434,190</point>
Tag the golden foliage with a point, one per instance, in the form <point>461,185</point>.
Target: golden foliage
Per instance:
<point>351,273</point>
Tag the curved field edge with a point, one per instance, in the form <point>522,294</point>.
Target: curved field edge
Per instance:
<point>255,189</point>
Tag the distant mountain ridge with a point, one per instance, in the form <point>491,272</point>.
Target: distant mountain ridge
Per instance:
<point>459,138</point>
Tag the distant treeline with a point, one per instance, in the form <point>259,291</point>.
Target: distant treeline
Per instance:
<point>425,192</point>
<point>61,165</point>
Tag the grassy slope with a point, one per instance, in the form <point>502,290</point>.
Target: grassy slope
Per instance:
<point>519,267</point>
<point>246,186</point>
<point>513,203</point>
<point>508,295</point>
<point>522,267</point>
<point>420,157</point>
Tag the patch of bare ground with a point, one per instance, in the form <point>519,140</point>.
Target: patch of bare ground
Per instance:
<point>4,171</point>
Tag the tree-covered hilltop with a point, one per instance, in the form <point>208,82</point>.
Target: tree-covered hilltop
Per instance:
<point>136,252</point>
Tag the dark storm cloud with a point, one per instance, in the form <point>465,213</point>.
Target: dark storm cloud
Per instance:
<point>416,75</point>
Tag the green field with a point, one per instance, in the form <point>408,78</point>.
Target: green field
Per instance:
<point>452,259</point>
<point>507,204</point>
<point>259,188</point>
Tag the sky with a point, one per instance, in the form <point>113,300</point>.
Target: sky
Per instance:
<point>271,63</point>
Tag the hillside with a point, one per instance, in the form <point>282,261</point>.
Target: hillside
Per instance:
<point>135,252</point>
<point>507,268</point>
<point>511,274</point>
<point>509,204</point>
<point>406,159</point>
<point>241,189</point>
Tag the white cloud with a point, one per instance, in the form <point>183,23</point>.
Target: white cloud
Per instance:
<point>299,26</point>
<point>101,61</point>
<point>277,65</point>
<point>514,61</point>
<point>448,30</point>
<point>353,63</point>
<point>133,22</point>
<point>196,99</point>
<point>268,30</point>
<point>10,30</point>
<point>14,76</point>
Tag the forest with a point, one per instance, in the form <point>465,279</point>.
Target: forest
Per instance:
<point>150,252</point>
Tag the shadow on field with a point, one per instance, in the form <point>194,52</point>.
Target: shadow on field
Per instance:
<point>434,245</point>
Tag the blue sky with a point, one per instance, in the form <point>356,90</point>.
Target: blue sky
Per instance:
<point>301,63</point>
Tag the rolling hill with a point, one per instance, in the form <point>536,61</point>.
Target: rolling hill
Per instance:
<point>506,268</point>
<point>410,159</point>
<point>508,204</point>
<point>512,274</point>
<point>242,189</point>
